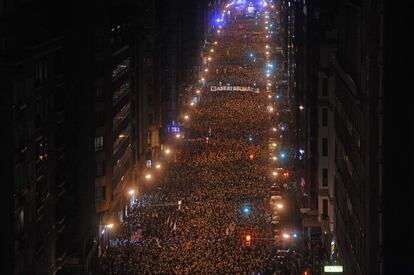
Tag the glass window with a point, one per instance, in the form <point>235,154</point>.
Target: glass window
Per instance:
<point>99,92</point>
<point>325,208</point>
<point>100,168</point>
<point>325,117</point>
<point>325,87</point>
<point>325,177</point>
<point>325,147</point>
<point>99,143</point>
<point>100,193</point>
<point>100,118</point>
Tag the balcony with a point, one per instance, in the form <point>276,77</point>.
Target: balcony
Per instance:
<point>120,69</point>
<point>120,93</point>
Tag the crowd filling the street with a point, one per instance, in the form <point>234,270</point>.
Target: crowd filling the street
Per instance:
<point>217,206</point>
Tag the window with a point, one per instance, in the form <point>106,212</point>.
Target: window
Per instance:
<point>325,208</point>
<point>325,177</point>
<point>99,143</point>
<point>100,193</point>
<point>325,117</point>
<point>100,168</point>
<point>99,92</point>
<point>325,147</point>
<point>325,87</point>
<point>100,118</point>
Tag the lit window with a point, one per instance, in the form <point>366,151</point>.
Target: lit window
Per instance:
<point>99,143</point>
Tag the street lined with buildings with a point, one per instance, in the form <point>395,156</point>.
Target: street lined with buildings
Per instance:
<point>225,201</point>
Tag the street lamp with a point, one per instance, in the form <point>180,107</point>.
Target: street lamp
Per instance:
<point>279,206</point>
<point>158,166</point>
<point>131,192</point>
<point>168,151</point>
<point>148,176</point>
<point>110,225</point>
<point>286,236</point>
<point>301,107</point>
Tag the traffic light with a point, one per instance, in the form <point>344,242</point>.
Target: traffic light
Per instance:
<point>248,239</point>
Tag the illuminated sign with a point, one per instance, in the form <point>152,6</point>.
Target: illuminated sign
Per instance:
<point>333,268</point>
<point>234,88</point>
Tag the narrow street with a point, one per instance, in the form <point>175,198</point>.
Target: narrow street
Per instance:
<point>224,199</point>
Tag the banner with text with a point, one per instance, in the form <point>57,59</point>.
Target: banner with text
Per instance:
<point>234,88</point>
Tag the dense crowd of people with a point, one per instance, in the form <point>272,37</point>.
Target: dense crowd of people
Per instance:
<point>214,193</point>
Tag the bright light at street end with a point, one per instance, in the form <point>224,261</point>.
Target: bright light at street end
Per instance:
<point>148,176</point>
<point>131,192</point>
<point>269,96</point>
<point>177,135</point>
<point>274,158</point>
<point>192,103</point>
<point>274,129</point>
<point>206,69</point>
<point>110,225</point>
<point>301,107</point>
<point>286,236</point>
<point>215,42</point>
<point>158,166</point>
<point>186,117</point>
<point>280,206</point>
<point>209,58</point>
<point>275,174</point>
<point>167,151</point>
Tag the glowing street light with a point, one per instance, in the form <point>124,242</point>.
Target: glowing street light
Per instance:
<point>158,166</point>
<point>110,225</point>
<point>186,117</point>
<point>286,236</point>
<point>275,174</point>
<point>168,151</point>
<point>177,135</point>
<point>274,129</point>
<point>212,50</point>
<point>215,42</point>
<point>148,176</point>
<point>192,104</point>
<point>131,192</point>
<point>209,58</point>
<point>279,206</point>
<point>198,91</point>
<point>206,69</point>
<point>301,107</point>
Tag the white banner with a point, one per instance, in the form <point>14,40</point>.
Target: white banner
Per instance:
<point>234,88</point>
